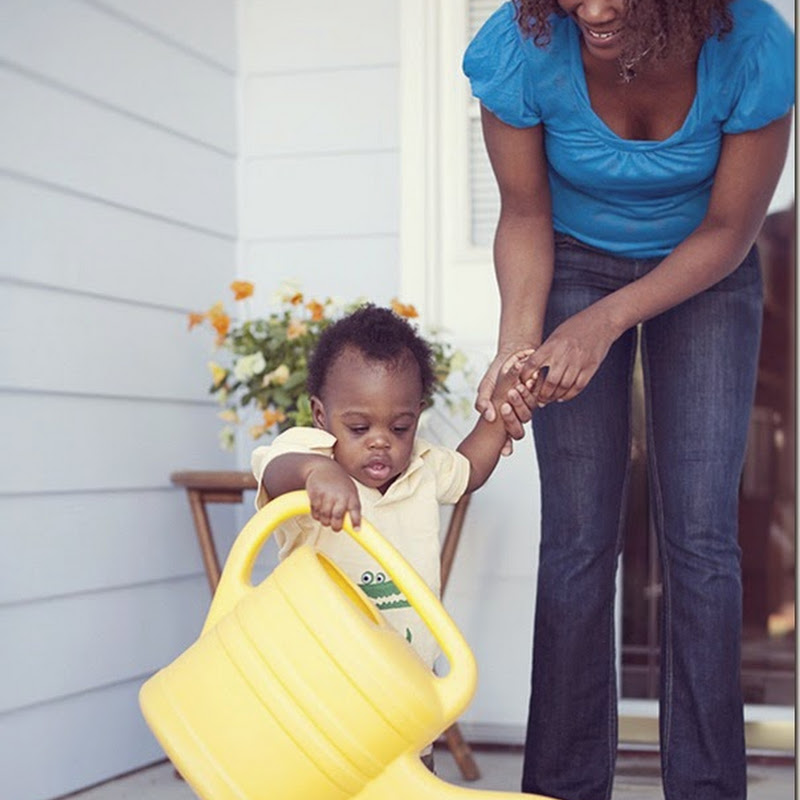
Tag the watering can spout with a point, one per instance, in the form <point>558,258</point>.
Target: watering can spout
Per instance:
<point>407,777</point>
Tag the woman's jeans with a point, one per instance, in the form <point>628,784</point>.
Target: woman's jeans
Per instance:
<point>699,364</point>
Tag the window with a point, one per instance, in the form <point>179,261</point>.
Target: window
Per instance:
<point>449,198</point>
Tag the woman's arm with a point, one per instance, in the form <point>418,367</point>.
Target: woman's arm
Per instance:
<point>523,251</point>
<point>749,167</point>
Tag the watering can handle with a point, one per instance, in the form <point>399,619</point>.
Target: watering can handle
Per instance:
<point>455,689</point>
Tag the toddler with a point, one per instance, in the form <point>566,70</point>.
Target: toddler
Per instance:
<point>369,378</point>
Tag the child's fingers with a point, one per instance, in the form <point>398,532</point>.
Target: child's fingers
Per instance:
<point>329,511</point>
<point>515,361</point>
<point>512,421</point>
<point>522,403</point>
<point>355,516</point>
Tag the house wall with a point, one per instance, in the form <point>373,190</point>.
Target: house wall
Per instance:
<point>320,147</point>
<point>117,216</point>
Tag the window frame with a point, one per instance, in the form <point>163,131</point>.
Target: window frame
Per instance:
<point>436,109</point>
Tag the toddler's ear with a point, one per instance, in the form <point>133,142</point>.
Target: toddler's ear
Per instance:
<point>318,413</point>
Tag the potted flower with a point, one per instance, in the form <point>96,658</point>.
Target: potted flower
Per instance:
<point>265,360</point>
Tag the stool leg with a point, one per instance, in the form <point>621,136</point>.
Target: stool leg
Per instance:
<point>204,537</point>
<point>462,753</point>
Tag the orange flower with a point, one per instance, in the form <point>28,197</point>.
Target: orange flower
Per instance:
<point>273,417</point>
<point>257,430</point>
<point>220,321</point>
<point>195,318</point>
<point>296,329</point>
<point>404,309</point>
<point>242,289</point>
<point>317,310</point>
<point>296,298</point>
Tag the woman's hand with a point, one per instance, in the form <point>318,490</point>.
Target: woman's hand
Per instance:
<point>572,354</point>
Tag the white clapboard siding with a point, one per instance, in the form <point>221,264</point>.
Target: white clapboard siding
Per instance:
<point>320,140</point>
<point>54,748</point>
<point>61,239</point>
<point>343,195</point>
<point>206,28</point>
<point>318,35</point>
<point>169,87</point>
<point>80,344</point>
<point>80,443</point>
<point>302,112</point>
<point>107,539</point>
<point>69,141</point>
<point>118,214</point>
<point>343,268</point>
<point>496,616</point>
<point>97,639</point>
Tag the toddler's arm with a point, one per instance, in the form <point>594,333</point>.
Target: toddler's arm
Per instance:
<point>484,443</point>
<point>331,490</point>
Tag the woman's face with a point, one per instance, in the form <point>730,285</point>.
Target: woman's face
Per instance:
<point>601,23</point>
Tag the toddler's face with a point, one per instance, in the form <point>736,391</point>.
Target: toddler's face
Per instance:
<point>372,408</point>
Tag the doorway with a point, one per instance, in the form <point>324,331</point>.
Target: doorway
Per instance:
<point>767,509</point>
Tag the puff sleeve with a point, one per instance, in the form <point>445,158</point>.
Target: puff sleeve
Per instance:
<point>293,440</point>
<point>765,80</point>
<point>497,68</point>
<point>451,470</point>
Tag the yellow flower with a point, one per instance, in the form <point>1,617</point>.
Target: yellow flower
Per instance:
<point>296,329</point>
<point>404,309</point>
<point>229,415</point>
<point>242,289</point>
<point>220,321</point>
<point>257,431</point>
<point>317,310</point>
<point>218,373</point>
<point>278,376</point>
<point>285,292</point>
<point>273,417</point>
<point>195,318</point>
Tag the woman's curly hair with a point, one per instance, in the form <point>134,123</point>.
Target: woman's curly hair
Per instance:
<point>657,28</point>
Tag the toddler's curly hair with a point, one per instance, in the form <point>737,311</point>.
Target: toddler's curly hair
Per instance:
<point>380,335</point>
<point>658,28</point>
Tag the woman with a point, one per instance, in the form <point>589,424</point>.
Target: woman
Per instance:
<point>636,145</point>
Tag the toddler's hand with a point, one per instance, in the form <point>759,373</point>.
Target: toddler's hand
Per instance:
<point>333,494</point>
<point>514,396</point>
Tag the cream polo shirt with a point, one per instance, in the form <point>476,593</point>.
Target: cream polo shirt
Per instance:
<point>407,515</point>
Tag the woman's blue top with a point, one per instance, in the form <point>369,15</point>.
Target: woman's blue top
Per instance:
<point>632,197</point>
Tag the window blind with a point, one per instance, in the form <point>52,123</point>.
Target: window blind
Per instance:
<point>484,199</point>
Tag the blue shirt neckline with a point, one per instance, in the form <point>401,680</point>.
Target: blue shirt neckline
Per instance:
<point>582,90</point>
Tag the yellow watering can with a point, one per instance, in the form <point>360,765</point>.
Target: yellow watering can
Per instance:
<point>297,688</point>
